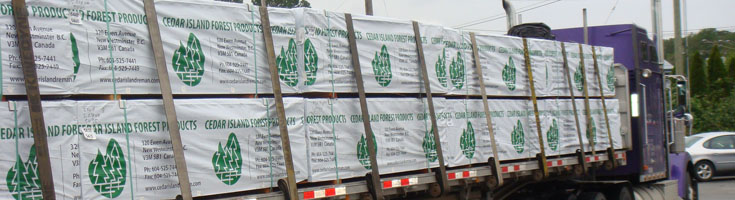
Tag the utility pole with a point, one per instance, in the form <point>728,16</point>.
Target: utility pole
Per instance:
<point>686,56</point>
<point>678,45</point>
<point>369,7</point>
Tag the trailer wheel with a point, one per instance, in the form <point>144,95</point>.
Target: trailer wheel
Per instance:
<point>620,192</point>
<point>592,196</point>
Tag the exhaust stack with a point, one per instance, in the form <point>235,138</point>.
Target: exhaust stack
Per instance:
<point>510,13</point>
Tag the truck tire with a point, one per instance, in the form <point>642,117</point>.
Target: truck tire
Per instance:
<point>619,192</point>
<point>592,196</point>
<point>692,191</point>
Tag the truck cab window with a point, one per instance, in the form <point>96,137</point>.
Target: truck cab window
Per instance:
<point>653,54</point>
<point>643,50</point>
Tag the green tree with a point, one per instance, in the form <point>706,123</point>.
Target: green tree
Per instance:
<point>697,79</point>
<point>730,79</point>
<point>715,67</point>
<point>713,114</point>
<point>716,74</point>
<point>285,3</point>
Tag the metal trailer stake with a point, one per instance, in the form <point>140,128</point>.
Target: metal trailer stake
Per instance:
<point>574,108</point>
<point>288,186</point>
<point>373,178</point>
<point>542,155</point>
<point>168,100</point>
<point>587,113</point>
<point>495,160</point>
<point>442,173</point>
<point>34,98</point>
<point>611,149</point>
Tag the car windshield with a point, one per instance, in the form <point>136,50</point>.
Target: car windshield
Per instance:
<point>691,140</point>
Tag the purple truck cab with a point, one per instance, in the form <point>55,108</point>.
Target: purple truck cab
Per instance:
<point>648,156</point>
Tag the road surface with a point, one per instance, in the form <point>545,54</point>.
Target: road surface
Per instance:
<point>719,189</point>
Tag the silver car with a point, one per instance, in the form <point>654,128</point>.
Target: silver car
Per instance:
<point>712,152</point>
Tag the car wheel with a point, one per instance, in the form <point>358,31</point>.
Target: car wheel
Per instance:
<point>704,171</point>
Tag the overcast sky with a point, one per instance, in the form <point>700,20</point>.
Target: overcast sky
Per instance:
<point>557,14</point>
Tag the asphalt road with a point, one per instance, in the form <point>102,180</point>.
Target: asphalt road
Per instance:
<point>722,188</point>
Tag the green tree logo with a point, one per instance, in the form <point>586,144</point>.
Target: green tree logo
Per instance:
<point>441,68</point>
<point>362,151</point>
<point>456,71</point>
<point>381,67</point>
<point>517,137</point>
<point>188,61</point>
<point>467,141</point>
<point>310,62</point>
<point>74,54</point>
<point>611,79</point>
<point>429,146</point>
<point>509,74</point>
<point>592,131</point>
<point>23,181</point>
<point>286,61</point>
<point>552,135</point>
<point>227,161</point>
<point>578,78</point>
<point>107,172</point>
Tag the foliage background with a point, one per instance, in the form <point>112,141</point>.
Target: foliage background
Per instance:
<point>711,78</point>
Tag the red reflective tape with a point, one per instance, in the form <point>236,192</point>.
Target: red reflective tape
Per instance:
<point>505,169</point>
<point>465,174</point>
<point>404,182</point>
<point>549,164</point>
<point>309,195</point>
<point>516,168</point>
<point>387,184</point>
<point>451,176</point>
<point>597,158</point>
<point>559,162</point>
<point>330,192</point>
<point>587,159</point>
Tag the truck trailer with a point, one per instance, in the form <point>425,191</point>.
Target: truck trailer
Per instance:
<point>129,99</point>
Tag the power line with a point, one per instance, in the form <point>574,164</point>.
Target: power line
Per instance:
<point>611,11</point>
<point>694,30</point>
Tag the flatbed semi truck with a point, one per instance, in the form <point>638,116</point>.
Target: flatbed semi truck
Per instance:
<point>129,99</point>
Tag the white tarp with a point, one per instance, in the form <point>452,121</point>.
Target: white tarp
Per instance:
<point>226,145</point>
<point>468,137</point>
<point>599,127</point>
<point>51,35</point>
<point>126,30</point>
<point>218,48</point>
<point>503,66</point>
<point>329,52</point>
<point>560,129</point>
<point>435,55</point>
<point>575,71</point>
<point>223,50</point>
<point>457,64</point>
<point>605,63</point>
<point>400,127</point>
<point>388,57</point>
